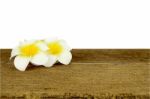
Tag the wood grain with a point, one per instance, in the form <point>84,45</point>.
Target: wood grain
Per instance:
<point>93,73</point>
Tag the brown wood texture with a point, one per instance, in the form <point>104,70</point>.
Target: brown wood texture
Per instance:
<point>92,74</point>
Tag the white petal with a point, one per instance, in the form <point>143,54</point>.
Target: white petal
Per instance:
<point>65,45</point>
<point>51,61</point>
<point>14,52</point>
<point>21,63</point>
<point>39,59</point>
<point>65,57</point>
<point>51,40</point>
<point>42,46</point>
<point>27,42</point>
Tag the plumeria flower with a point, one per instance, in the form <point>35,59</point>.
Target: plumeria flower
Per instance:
<point>29,51</point>
<point>58,50</point>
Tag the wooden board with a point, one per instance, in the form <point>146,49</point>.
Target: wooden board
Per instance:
<point>93,73</point>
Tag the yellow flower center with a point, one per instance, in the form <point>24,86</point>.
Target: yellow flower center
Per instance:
<point>55,48</point>
<point>29,50</point>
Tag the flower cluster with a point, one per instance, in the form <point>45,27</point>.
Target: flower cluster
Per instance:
<point>41,52</point>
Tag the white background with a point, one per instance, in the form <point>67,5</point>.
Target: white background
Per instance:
<point>82,23</point>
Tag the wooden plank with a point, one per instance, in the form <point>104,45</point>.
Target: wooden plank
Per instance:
<point>93,73</point>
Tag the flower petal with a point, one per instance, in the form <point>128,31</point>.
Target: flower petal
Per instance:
<point>65,57</point>
<point>42,46</point>
<point>26,42</point>
<point>51,61</point>
<point>39,59</point>
<point>51,40</point>
<point>65,45</point>
<point>21,63</point>
<point>14,52</point>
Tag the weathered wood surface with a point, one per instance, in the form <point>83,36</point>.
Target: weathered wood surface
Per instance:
<point>93,73</point>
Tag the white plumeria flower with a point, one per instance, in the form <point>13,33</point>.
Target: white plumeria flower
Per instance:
<point>58,50</point>
<point>29,51</point>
